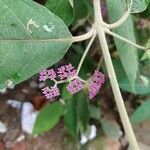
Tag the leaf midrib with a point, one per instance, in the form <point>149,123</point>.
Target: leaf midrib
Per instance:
<point>37,40</point>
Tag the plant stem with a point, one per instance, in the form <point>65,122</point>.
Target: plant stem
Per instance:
<point>124,39</point>
<point>121,20</point>
<point>85,53</point>
<point>112,76</point>
<point>84,36</point>
<point>100,63</point>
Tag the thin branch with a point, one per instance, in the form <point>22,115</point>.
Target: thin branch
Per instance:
<point>84,36</point>
<point>113,79</point>
<point>121,20</point>
<point>85,53</point>
<point>125,40</point>
<point>100,63</point>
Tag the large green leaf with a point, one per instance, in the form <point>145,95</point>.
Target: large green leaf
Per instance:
<point>31,38</point>
<point>48,117</point>
<point>63,9</point>
<point>142,113</point>
<point>139,5</point>
<point>127,53</point>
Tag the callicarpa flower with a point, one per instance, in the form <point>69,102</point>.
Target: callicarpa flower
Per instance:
<point>43,75</point>
<point>96,82</point>
<point>75,86</point>
<point>93,89</point>
<point>66,71</point>
<point>98,77</point>
<point>47,74</point>
<point>51,74</point>
<point>51,93</point>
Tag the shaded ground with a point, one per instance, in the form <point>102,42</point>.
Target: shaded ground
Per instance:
<point>57,139</point>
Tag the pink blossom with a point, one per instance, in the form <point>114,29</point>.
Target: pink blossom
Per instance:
<point>66,71</point>
<point>47,74</point>
<point>98,77</point>
<point>43,75</point>
<point>51,74</point>
<point>50,93</point>
<point>75,86</point>
<point>62,74</point>
<point>70,69</point>
<point>93,89</point>
<point>96,83</point>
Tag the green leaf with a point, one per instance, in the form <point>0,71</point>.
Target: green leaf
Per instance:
<point>111,128</point>
<point>48,117</point>
<point>31,38</point>
<point>70,117</point>
<point>141,86</point>
<point>127,53</point>
<point>139,5</point>
<point>82,110</point>
<point>82,8</point>
<point>63,9</point>
<point>142,113</point>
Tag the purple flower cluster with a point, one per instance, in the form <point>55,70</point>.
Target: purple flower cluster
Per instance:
<point>66,71</point>
<point>96,82</point>
<point>75,86</point>
<point>50,93</point>
<point>47,74</point>
<point>69,73</point>
<point>63,72</point>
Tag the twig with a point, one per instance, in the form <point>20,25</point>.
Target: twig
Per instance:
<point>112,76</point>
<point>124,39</point>
<point>100,63</point>
<point>84,36</point>
<point>121,20</point>
<point>85,53</point>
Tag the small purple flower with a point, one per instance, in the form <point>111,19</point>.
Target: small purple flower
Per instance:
<point>75,86</point>
<point>66,71</point>
<point>51,74</point>
<point>96,83</point>
<point>98,77</point>
<point>62,74</point>
<point>47,74</point>
<point>93,89</point>
<point>43,75</point>
<point>71,71</point>
<point>50,93</point>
